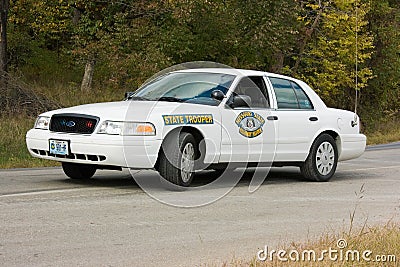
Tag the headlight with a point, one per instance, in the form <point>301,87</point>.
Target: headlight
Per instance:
<point>127,128</point>
<point>42,122</point>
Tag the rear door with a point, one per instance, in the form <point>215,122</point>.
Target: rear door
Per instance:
<point>297,118</point>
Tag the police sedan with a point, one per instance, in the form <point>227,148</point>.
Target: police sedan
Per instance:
<point>189,120</point>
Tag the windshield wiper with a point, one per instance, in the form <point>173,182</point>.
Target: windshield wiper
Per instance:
<point>132,97</point>
<point>170,99</point>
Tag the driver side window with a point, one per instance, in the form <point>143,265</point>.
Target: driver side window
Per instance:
<point>253,87</point>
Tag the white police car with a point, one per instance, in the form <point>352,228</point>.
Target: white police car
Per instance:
<point>201,118</point>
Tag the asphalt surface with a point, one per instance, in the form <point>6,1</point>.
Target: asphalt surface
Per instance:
<point>49,220</point>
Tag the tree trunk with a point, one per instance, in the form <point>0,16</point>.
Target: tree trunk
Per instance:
<point>279,59</point>
<point>76,16</point>
<point>4,4</point>
<point>88,76</point>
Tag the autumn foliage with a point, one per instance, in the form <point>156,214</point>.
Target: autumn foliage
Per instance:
<point>330,44</point>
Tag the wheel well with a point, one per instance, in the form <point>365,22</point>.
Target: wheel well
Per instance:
<point>336,137</point>
<point>331,133</point>
<point>198,136</point>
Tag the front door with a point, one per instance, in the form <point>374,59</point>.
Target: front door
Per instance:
<point>248,132</point>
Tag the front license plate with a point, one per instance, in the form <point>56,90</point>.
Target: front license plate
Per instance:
<point>59,147</point>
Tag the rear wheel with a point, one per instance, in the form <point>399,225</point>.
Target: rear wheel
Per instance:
<point>177,162</point>
<point>78,171</point>
<point>321,162</point>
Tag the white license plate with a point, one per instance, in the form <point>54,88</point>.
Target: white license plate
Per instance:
<point>59,147</point>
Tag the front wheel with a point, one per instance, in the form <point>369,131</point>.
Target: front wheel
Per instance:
<point>321,162</point>
<point>78,171</point>
<point>177,161</point>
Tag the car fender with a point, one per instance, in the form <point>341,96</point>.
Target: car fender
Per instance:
<point>208,135</point>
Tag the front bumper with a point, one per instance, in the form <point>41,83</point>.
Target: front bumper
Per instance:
<point>139,152</point>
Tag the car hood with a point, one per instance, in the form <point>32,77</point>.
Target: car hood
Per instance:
<point>129,110</point>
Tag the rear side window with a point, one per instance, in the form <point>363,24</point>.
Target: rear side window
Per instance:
<point>289,95</point>
<point>304,101</point>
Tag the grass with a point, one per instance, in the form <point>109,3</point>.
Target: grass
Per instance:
<point>71,95</point>
<point>13,151</point>
<point>383,241</point>
<point>386,132</point>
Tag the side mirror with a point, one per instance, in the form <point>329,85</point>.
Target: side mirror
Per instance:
<point>128,95</point>
<point>217,95</point>
<point>241,101</point>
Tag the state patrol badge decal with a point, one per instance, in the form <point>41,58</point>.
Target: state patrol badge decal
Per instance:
<point>250,124</point>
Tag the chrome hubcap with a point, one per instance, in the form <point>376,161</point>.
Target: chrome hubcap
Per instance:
<point>325,158</point>
<point>187,162</point>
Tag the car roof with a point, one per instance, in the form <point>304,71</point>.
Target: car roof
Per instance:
<point>225,71</point>
<point>237,72</point>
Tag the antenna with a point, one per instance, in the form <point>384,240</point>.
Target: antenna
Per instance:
<point>355,121</point>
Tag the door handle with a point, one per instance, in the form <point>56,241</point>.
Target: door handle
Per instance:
<point>313,118</point>
<point>272,118</point>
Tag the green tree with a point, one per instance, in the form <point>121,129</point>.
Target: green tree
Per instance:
<point>266,33</point>
<point>118,35</point>
<point>39,35</point>
<point>246,34</point>
<point>382,96</point>
<point>336,37</point>
<point>196,30</point>
<point>45,20</point>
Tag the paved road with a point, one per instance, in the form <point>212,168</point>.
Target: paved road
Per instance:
<point>48,220</point>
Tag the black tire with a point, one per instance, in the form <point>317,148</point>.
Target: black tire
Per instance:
<point>170,166</point>
<point>78,171</point>
<point>319,165</point>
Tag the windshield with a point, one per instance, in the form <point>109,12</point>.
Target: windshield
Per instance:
<point>185,87</point>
